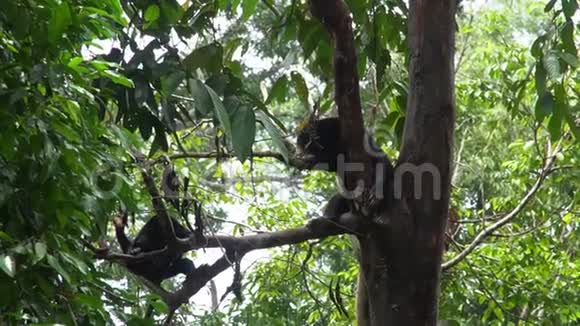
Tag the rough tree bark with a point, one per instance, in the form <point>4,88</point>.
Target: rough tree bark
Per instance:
<point>401,242</point>
<point>403,259</point>
<point>402,248</point>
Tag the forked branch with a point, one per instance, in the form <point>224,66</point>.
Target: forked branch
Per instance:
<point>336,18</point>
<point>235,247</point>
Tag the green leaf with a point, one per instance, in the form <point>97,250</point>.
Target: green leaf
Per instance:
<point>540,78</point>
<point>569,8</point>
<point>53,262</point>
<point>220,112</point>
<point>358,8</point>
<point>243,132</point>
<point>207,57</point>
<point>313,38</point>
<point>248,8</point>
<point>39,251</point>
<point>223,4</point>
<point>207,99</point>
<point>569,59</point>
<point>362,65</point>
<point>277,138</point>
<point>572,122</point>
<point>59,21</point>
<point>171,11</point>
<point>537,47</point>
<point>234,5</point>
<point>159,142</point>
<point>4,236</point>
<point>76,262</point>
<point>278,91</point>
<point>549,5</point>
<point>118,78</point>
<point>218,82</point>
<point>89,300</point>
<point>8,265</point>
<point>555,122</point>
<point>399,128</point>
<point>498,313</point>
<point>159,306</point>
<point>544,106</point>
<point>203,102</point>
<point>74,62</point>
<point>392,118</point>
<point>152,13</point>
<point>170,82</point>
<point>137,321</point>
<point>101,65</point>
<point>300,88</point>
<point>552,65</point>
<point>118,18</point>
<point>567,36</point>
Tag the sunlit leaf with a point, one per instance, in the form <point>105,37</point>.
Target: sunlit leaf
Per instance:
<point>118,78</point>
<point>152,13</point>
<point>89,300</point>
<point>274,132</point>
<point>39,251</point>
<point>552,65</point>
<point>8,265</point>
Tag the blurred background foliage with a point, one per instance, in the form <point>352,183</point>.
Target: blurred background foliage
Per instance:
<point>210,82</point>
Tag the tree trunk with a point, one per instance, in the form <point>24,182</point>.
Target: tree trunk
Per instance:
<point>401,250</point>
<point>401,258</point>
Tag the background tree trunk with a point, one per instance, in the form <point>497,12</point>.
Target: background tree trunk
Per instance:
<point>401,259</point>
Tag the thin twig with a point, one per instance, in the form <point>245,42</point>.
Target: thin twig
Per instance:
<point>478,240</point>
<point>292,160</point>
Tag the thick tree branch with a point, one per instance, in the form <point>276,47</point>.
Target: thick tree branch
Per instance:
<point>481,236</point>
<point>317,228</point>
<point>197,280</point>
<point>402,262</point>
<point>236,248</point>
<point>335,17</point>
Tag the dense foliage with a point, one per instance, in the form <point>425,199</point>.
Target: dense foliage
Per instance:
<point>212,82</point>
